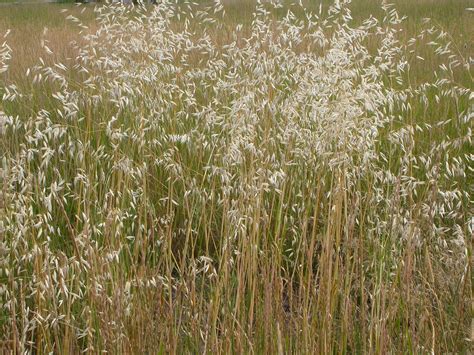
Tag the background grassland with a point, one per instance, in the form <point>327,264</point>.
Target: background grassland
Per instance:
<point>373,295</point>
<point>28,24</point>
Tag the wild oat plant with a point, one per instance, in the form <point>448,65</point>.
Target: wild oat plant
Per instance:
<point>190,185</point>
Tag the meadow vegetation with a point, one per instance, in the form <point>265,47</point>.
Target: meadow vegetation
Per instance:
<point>236,178</point>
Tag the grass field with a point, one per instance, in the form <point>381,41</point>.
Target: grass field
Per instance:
<point>236,178</point>
<point>27,23</point>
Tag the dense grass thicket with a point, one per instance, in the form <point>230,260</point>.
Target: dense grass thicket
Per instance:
<point>300,183</point>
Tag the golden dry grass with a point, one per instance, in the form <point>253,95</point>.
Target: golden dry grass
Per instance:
<point>166,209</point>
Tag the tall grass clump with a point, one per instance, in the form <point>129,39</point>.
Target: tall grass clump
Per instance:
<point>186,185</point>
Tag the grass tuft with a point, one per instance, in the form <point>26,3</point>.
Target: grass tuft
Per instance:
<point>181,178</point>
